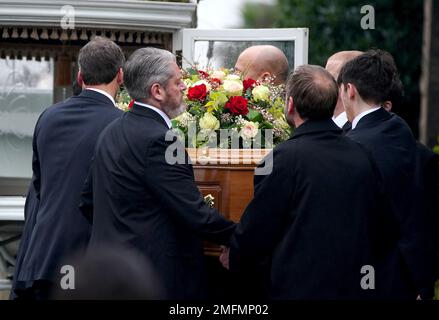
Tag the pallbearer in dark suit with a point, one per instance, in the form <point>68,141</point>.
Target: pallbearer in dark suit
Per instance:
<point>426,174</point>
<point>63,144</point>
<point>405,265</point>
<point>144,194</point>
<point>315,214</point>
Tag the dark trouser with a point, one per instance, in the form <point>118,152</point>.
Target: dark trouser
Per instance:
<point>40,290</point>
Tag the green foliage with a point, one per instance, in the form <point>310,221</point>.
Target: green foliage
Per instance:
<point>336,25</point>
<point>261,15</point>
<point>254,116</point>
<point>436,150</point>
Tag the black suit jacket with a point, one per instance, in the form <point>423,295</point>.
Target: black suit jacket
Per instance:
<point>145,202</point>
<point>63,145</point>
<point>315,214</point>
<point>405,268</point>
<point>30,215</point>
<point>347,127</point>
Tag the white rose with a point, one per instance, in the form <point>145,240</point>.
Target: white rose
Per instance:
<point>233,88</point>
<point>218,74</point>
<point>233,77</point>
<point>261,93</point>
<point>249,130</point>
<point>209,122</point>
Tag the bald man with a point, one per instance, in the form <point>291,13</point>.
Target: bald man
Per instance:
<point>263,62</point>
<point>334,65</point>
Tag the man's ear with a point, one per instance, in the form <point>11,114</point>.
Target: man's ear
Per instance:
<point>120,76</point>
<point>351,90</point>
<point>157,92</point>
<point>79,79</point>
<point>265,75</point>
<point>388,106</point>
<point>290,109</point>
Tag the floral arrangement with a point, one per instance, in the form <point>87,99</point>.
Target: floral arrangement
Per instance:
<point>225,111</point>
<point>123,100</point>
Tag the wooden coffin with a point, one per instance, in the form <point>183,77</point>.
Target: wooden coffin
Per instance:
<point>227,175</point>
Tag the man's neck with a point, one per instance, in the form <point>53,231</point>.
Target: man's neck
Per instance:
<point>361,107</point>
<point>298,121</point>
<point>156,109</point>
<point>363,114</point>
<point>151,102</point>
<point>108,88</point>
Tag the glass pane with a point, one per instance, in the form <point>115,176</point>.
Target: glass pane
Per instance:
<point>223,54</point>
<point>26,89</point>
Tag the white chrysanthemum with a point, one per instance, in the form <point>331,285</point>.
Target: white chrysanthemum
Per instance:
<point>261,93</point>
<point>209,122</point>
<point>233,88</point>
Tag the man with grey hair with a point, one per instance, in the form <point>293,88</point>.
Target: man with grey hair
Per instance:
<point>63,144</point>
<point>143,199</point>
<point>317,237</point>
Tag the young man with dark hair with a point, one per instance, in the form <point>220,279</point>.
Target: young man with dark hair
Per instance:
<point>63,144</point>
<point>333,65</point>
<point>404,268</point>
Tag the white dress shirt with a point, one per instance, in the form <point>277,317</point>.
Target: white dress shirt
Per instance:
<point>361,115</point>
<point>341,119</point>
<point>160,112</point>
<point>102,92</point>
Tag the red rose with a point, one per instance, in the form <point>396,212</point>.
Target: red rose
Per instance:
<point>215,82</point>
<point>130,106</point>
<point>197,92</point>
<point>237,105</point>
<point>203,74</point>
<point>248,83</point>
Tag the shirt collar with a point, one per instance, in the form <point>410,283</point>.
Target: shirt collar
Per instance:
<point>102,92</point>
<point>160,112</point>
<point>341,119</point>
<point>312,126</point>
<point>361,115</point>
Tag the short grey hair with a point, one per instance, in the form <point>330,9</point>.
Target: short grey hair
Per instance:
<point>145,67</point>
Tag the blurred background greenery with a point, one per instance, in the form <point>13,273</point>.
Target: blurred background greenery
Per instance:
<point>335,26</point>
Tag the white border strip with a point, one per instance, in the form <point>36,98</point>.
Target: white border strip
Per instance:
<point>298,35</point>
<point>130,15</point>
<point>12,208</point>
